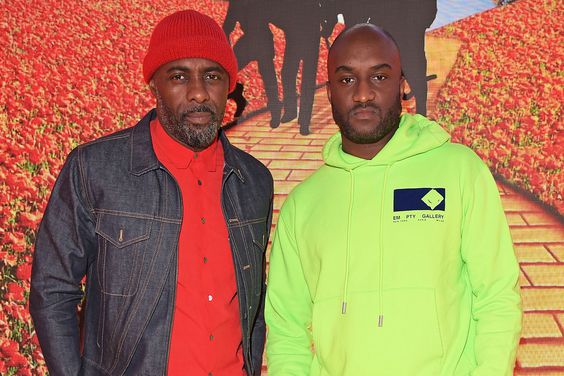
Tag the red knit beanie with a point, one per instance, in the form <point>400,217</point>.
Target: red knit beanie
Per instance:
<point>187,34</point>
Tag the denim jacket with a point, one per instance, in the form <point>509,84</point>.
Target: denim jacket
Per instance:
<point>114,216</point>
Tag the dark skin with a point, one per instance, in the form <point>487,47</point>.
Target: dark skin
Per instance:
<point>191,96</point>
<point>364,87</point>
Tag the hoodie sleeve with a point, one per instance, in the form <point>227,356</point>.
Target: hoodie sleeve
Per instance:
<point>288,307</point>
<point>492,267</point>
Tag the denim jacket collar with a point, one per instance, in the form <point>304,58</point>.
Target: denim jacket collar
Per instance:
<point>142,162</point>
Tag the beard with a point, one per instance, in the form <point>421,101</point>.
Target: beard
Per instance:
<point>389,122</point>
<point>195,136</point>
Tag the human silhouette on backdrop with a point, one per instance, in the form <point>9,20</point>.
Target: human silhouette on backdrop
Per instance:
<point>304,23</point>
<point>300,21</point>
<point>257,43</point>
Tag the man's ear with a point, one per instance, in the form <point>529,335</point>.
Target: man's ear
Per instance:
<point>328,89</point>
<point>402,86</point>
<point>152,87</point>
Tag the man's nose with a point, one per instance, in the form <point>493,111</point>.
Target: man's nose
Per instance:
<point>197,91</point>
<point>364,92</point>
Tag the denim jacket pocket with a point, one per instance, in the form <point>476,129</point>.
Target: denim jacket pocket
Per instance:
<point>121,246</point>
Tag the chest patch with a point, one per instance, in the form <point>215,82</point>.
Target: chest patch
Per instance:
<point>419,204</point>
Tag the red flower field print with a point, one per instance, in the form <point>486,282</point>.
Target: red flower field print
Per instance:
<point>71,72</point>
<point>504,96</point>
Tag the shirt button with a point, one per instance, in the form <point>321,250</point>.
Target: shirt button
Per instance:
<point>205,260</point>
<point>210,374</point>
<point>203,220</point>
<point>210,298</point>
<point>211,337</point>
<point>199,182</point>
<point>195,155</point>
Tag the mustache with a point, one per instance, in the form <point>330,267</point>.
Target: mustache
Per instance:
<point>198,108</point>
<point>365,106</point>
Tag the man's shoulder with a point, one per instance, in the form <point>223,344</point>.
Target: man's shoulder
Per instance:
<point>119,148</point>
<point>461,154</point>
<point>453,154</point>
<point>105,150</point>
<point>310,187</point>
<point>245,160</point>
<point>460,162</point>
<point>112,141</point>
<point>114,137</point>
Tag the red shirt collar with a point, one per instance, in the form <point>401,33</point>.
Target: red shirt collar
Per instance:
<point>181,156</point>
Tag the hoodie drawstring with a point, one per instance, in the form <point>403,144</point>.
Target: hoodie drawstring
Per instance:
<point>348,251</point>
<point>381,246</point>
<point>381,240</point>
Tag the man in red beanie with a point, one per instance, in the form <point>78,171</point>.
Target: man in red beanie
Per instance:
<point>169,224</point>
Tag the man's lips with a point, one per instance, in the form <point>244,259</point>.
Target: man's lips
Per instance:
<point>365,113</point>
<point>199,117</point>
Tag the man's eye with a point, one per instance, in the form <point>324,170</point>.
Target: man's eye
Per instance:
<point>379,77</point>
<point>178,76</point>
<point>347,80</point>
<point>212,76</point>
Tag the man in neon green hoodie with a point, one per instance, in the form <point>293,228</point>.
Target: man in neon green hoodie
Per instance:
<point>394,258</point>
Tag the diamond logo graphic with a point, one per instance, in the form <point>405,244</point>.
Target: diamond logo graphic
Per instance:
<point>432,199</point>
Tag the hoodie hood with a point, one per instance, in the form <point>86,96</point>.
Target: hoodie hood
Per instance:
<point>415,135</point>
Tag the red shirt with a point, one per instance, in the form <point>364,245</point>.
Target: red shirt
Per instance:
<point>206,332</point>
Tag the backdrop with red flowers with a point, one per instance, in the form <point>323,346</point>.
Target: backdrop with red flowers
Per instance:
<point>71,72</point>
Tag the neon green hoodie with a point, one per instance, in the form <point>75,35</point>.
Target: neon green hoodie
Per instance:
<point>399,265</point>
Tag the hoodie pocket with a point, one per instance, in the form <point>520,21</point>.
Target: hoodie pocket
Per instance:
<point>408,343</point>
<point>121,244</point>
<point>412,331</point>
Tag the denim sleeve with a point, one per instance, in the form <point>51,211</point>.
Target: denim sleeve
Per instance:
<point>258,337</point>
<point>64,246</point>
<point>259,330</point>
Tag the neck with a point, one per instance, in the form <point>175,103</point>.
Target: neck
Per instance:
<point>366,151</point>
